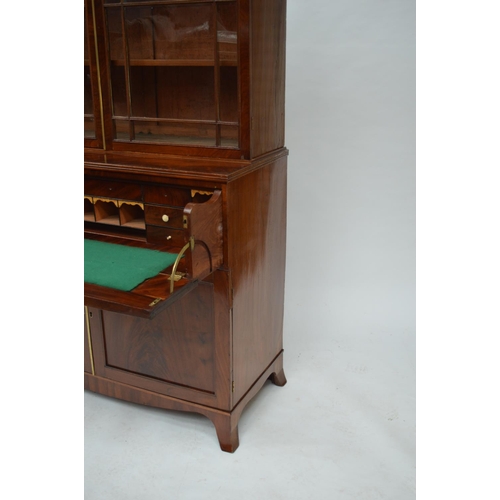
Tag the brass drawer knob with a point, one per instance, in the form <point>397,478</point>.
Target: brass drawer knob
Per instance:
<point>169,237</point>
<point>165,218</point>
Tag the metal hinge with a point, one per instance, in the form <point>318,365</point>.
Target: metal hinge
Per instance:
<point>177,276</point>
<point>233,387</point>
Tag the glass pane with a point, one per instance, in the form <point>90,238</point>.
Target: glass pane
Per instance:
<point>122,130</point>
<point>227,33</point>
<point>139,25</point>
<point>183,93</point>
<point>88,104</point>
<point>117,70</point>
<point>184,32</point>
<point>169,33</point>
<point>115,35</point>
<point>118,91</point>
<point>175,133</point>
<point>143,90</point>
<point>227,45</point>
<point>228,136</point>
<point>228,106</point>
<point>86,46</point>
<point>89,127</point>
<point>87,93</point>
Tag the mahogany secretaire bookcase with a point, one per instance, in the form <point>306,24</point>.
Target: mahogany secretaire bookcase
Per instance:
<point>185,203</point>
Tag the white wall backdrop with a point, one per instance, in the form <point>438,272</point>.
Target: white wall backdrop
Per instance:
<point>351,133</point>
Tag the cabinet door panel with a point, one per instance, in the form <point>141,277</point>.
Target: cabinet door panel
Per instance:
<point>172,353</point>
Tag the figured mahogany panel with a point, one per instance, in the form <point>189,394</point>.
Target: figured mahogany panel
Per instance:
<point>256,228</point>
<point>186,332</point>
<point>164,347</point>
<point>205,226</point>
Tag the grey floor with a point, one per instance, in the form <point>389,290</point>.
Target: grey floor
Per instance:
<point>344,425</point>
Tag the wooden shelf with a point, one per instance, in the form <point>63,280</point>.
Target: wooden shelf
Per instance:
<point>114,212</point>
<point>177,140</point>
<point>88,213</point>
<point>132,215</point>
<point>136,224</point>
<point>173,62</point>
<point>112,220</point>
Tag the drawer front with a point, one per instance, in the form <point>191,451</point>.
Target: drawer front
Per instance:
<point>166,195</point>
<point>155,234</point>
<point>111,189</point>
<point>164,216</point>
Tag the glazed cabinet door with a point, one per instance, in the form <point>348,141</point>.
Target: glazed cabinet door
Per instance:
<point>173,72</point>
<point>92,120</point>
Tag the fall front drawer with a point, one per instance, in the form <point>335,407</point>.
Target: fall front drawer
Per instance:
<point>164,216</point>
<point>175,237</point>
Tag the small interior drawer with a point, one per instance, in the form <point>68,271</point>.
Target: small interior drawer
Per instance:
<point>175,237</point>
<point>167,195</point>
<point>164,216</point>
<point>112,189</point>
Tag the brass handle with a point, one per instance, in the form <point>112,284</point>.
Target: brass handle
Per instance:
<point>165,218</point>
<point>189,244</point>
